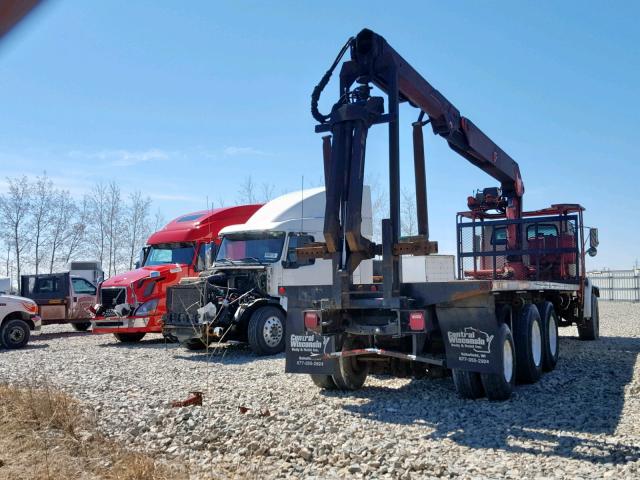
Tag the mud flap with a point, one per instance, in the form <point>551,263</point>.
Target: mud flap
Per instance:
<point>468,329</point>
<point>301,345</point>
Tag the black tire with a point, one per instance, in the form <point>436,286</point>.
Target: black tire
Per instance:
<point>266,331</point>
<point>129,337</point>
<point>590,328</point>
<point>169,338</point>
<point>499,386</point>
<point>81,327</point>
<point>550,339</point>
<point>14,333</point>
<point>468,384</point>
<point>195,344</point>
<point>352,373</point>
<point>323,381</point>
<point>528,341</point>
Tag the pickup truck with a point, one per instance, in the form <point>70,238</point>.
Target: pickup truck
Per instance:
<point>61,298</point>
<point>18,318</point>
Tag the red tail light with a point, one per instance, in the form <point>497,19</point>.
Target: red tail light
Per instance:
<point>282,291</point>
<point>311,320</point>
<point>416,321</point>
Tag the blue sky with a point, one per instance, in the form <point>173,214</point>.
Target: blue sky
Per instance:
<point>184,100</point>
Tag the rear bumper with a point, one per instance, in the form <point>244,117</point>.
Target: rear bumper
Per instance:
<point>126,325</point>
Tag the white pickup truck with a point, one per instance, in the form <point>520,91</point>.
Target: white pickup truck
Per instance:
<point>18,318</point>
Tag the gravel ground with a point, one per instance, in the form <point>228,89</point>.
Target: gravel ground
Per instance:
<point>582,420</point>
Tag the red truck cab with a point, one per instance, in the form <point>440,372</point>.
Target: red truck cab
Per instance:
<point>132,304</point>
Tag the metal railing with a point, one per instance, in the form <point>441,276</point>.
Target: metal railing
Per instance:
<point>617,285</point>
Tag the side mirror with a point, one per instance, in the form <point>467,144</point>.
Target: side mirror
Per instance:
<point>593,251</point>
<point>593,239</point>
<point>136,265</point>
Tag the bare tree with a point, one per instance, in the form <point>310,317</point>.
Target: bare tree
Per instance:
<point>96,203</point>
<point>137,226</point>
<point>247,191</point>
<point>267,192</point>
<point>76,236</point>
<point>14,211</point>
<point>40,221</point>
<point>63,212</point>
<point>114,225</point>
<point>409,218</point>
<point>158,221</point>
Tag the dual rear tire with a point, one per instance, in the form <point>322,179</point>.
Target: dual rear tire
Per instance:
<point>523,354</point>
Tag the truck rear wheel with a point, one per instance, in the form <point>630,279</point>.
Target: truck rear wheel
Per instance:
<point>499,386</point>
<point>352,373</point>
<point>590,328</point>
<point>468,384</point>
<point>550,342</point>
<point>129,337</point>
<point>266,331</point>
<point>323,381</point>
<point>81,327</point>
<point>528,341</point>
<point>14,333</point>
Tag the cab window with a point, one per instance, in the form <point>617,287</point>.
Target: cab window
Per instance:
<point>80,285</point>
<point>499,236</point>
<point>297,240</point>
<point>541,230</point>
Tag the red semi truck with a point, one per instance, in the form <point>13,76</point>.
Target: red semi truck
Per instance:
<point>132,304</point>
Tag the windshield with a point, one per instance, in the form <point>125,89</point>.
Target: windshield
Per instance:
<point>256,247</point>
<point>166,253</point>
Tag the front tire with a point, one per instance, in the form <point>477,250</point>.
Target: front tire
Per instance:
<point>550,339</point>
<point>265,331</point>
<point>15,333</point>
<point>81,327</point>
<point>499,386</point>
<point>528,340</point>
<point>590,328</point>
<point>129,337</point>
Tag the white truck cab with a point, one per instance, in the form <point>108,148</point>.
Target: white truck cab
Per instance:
<point>18,318</point>
<point>243,297</point>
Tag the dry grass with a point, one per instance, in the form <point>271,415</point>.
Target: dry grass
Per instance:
<point>45,435</point>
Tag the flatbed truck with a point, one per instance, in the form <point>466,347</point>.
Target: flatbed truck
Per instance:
<point>521,274</point>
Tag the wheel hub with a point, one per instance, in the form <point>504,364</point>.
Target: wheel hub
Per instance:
<point>272,331</point>
<point>536,343</point>
<point>507,361</point>
<point>16,335</point>
<point>553,335</point>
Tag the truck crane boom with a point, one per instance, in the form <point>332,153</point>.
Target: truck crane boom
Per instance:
<point>374,61</point>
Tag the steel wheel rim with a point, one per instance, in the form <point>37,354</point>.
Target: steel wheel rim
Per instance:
<point>507,361</point>
<point>553,335</point>
<point>272,331</point>
<point>536,343</point>
<point>16,335</point>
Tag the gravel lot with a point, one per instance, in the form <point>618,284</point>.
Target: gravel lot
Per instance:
<point>582,420</point>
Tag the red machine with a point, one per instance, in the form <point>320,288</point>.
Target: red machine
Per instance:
<point>132,304</point>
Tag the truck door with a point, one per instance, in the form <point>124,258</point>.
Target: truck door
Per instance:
<point>303,272</point>
<point>49,291</point>
<point>83,296</point>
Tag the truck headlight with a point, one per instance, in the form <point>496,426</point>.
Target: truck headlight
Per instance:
<point>146,308</point>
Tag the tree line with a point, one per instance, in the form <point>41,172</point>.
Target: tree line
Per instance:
<point>43,228</point>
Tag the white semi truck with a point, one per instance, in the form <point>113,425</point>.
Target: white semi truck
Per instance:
<point>243,296</point>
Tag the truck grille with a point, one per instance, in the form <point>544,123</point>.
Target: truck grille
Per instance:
<point>183,301</point>
<point>110,297</point>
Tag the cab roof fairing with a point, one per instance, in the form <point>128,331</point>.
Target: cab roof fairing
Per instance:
<point>205,225</point>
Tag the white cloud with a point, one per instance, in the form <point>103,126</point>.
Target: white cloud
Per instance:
<point>123,158</point>
<point>236,151</point>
